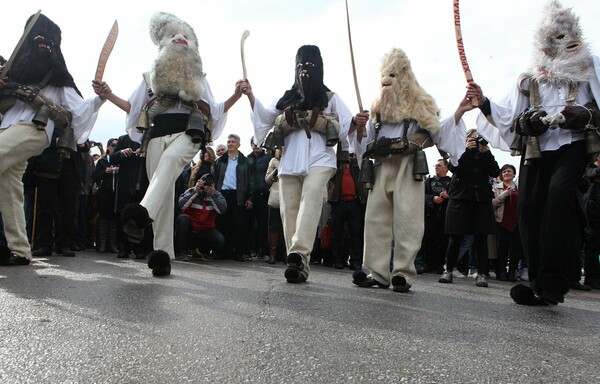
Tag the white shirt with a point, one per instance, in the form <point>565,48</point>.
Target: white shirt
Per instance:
<point>84,112</point>
<point>449,138</point>
<point>140,97</point>
<point>301,153</point>
<point>553,100</point>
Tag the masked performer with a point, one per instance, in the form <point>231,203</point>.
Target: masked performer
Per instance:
<point>175,102</point>
<point>304,115</point>
<point>553,111</point>
<point>403,121</point>
<point>37,97</point>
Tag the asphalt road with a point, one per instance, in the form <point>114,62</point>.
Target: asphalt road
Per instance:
<point>98,319</point>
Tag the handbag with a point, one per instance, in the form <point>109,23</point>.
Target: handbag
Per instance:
<point>326,236</point>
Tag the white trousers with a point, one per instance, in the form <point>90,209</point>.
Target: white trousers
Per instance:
<point>395,211</point>
<point>166,158</point>
<point>301,204</point>
<point>18,143</point>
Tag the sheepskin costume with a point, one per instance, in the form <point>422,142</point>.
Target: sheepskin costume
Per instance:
<point>401,95</point>
<point>177,70</point>
<point>560,52</point>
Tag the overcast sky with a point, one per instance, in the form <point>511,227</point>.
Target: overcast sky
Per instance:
<point>497,38</point>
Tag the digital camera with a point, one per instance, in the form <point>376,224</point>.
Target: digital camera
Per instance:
<point>208,180</point>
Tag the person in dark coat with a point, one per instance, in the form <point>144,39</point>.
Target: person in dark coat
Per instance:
<point>470,210</point>
<point>131,187</point>
<point>106,176</point>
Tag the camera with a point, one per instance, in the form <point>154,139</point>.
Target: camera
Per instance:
<point>480,140</point>
<point>208,180</point>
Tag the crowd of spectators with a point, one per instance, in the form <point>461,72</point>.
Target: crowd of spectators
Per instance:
<point>227,207</point>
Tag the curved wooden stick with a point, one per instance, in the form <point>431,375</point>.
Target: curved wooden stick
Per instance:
<point>461,49</point>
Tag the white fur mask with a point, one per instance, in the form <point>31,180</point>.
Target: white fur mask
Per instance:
<point>177,69</point>
<point>560,52</point>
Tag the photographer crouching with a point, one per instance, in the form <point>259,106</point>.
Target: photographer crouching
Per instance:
<point>195,227</point>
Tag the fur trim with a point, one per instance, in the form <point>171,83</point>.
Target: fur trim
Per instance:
<point>160,263</point>
<point>177,69</point>
<point>401,95</point>
<point>136,212</point>
<point>560,52</point>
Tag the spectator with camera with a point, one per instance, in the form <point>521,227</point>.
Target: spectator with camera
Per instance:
<point>470,209</point>
<point>196,226</point>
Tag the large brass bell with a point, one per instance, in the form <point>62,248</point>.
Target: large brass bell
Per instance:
<point>195,126</point>
<point>278,138</point>
<point>420,168</point>
<point>367,173</point>
<point>66,142</point>
<point>41,117</point>
<point>268,142</point>
<point>331,134</point>
<point>143,122</point>
<point>533,151</point>
<point>516,146</point>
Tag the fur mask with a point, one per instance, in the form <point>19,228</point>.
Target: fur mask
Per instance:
<point>560,53</point>
<point>177,69</point>
<point>401,96</point>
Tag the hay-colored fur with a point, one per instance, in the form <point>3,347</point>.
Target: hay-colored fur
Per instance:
<point>401,95</point>
<point>177,70</point>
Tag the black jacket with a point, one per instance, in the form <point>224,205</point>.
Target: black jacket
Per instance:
<point>246,187</point>
<point>471,178</point>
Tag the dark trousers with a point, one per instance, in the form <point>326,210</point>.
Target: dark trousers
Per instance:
<point>206,240</point>
<point>351,214</point>
<point>481,251</point>
<point>591,264</point>
<point>61,192</point>
<point>435,242</point>
<point>549,211</point>
<point>233,225</point>
<point>260,222</point>
<point>510,249</point>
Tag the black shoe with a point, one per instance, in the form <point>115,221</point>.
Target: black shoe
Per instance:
<point>511,276</point>
<point>65,252</point>
<point>292,275</point>
<point>355,267</point>
<point>420,270</point>
<point>338,265</point>
<point>42,252</point>
<point>580,287</point>
<point>123,254</point>
<point>15,260</point>
<point>399,284</point>
<point>502,276</point>
<point>182,256</point>
<point>593,283</point>
<point>239,258</point>
<point>294,261</point>
<point>361,279</point>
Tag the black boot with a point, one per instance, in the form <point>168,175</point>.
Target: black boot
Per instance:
<point>111,243</point>
<point>101,235</point>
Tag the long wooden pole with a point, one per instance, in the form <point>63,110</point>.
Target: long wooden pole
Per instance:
<point>461,49</point>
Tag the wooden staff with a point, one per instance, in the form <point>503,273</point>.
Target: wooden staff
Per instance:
<point>361,132</point>
<point>461,50</point>
<point>33,224</point>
